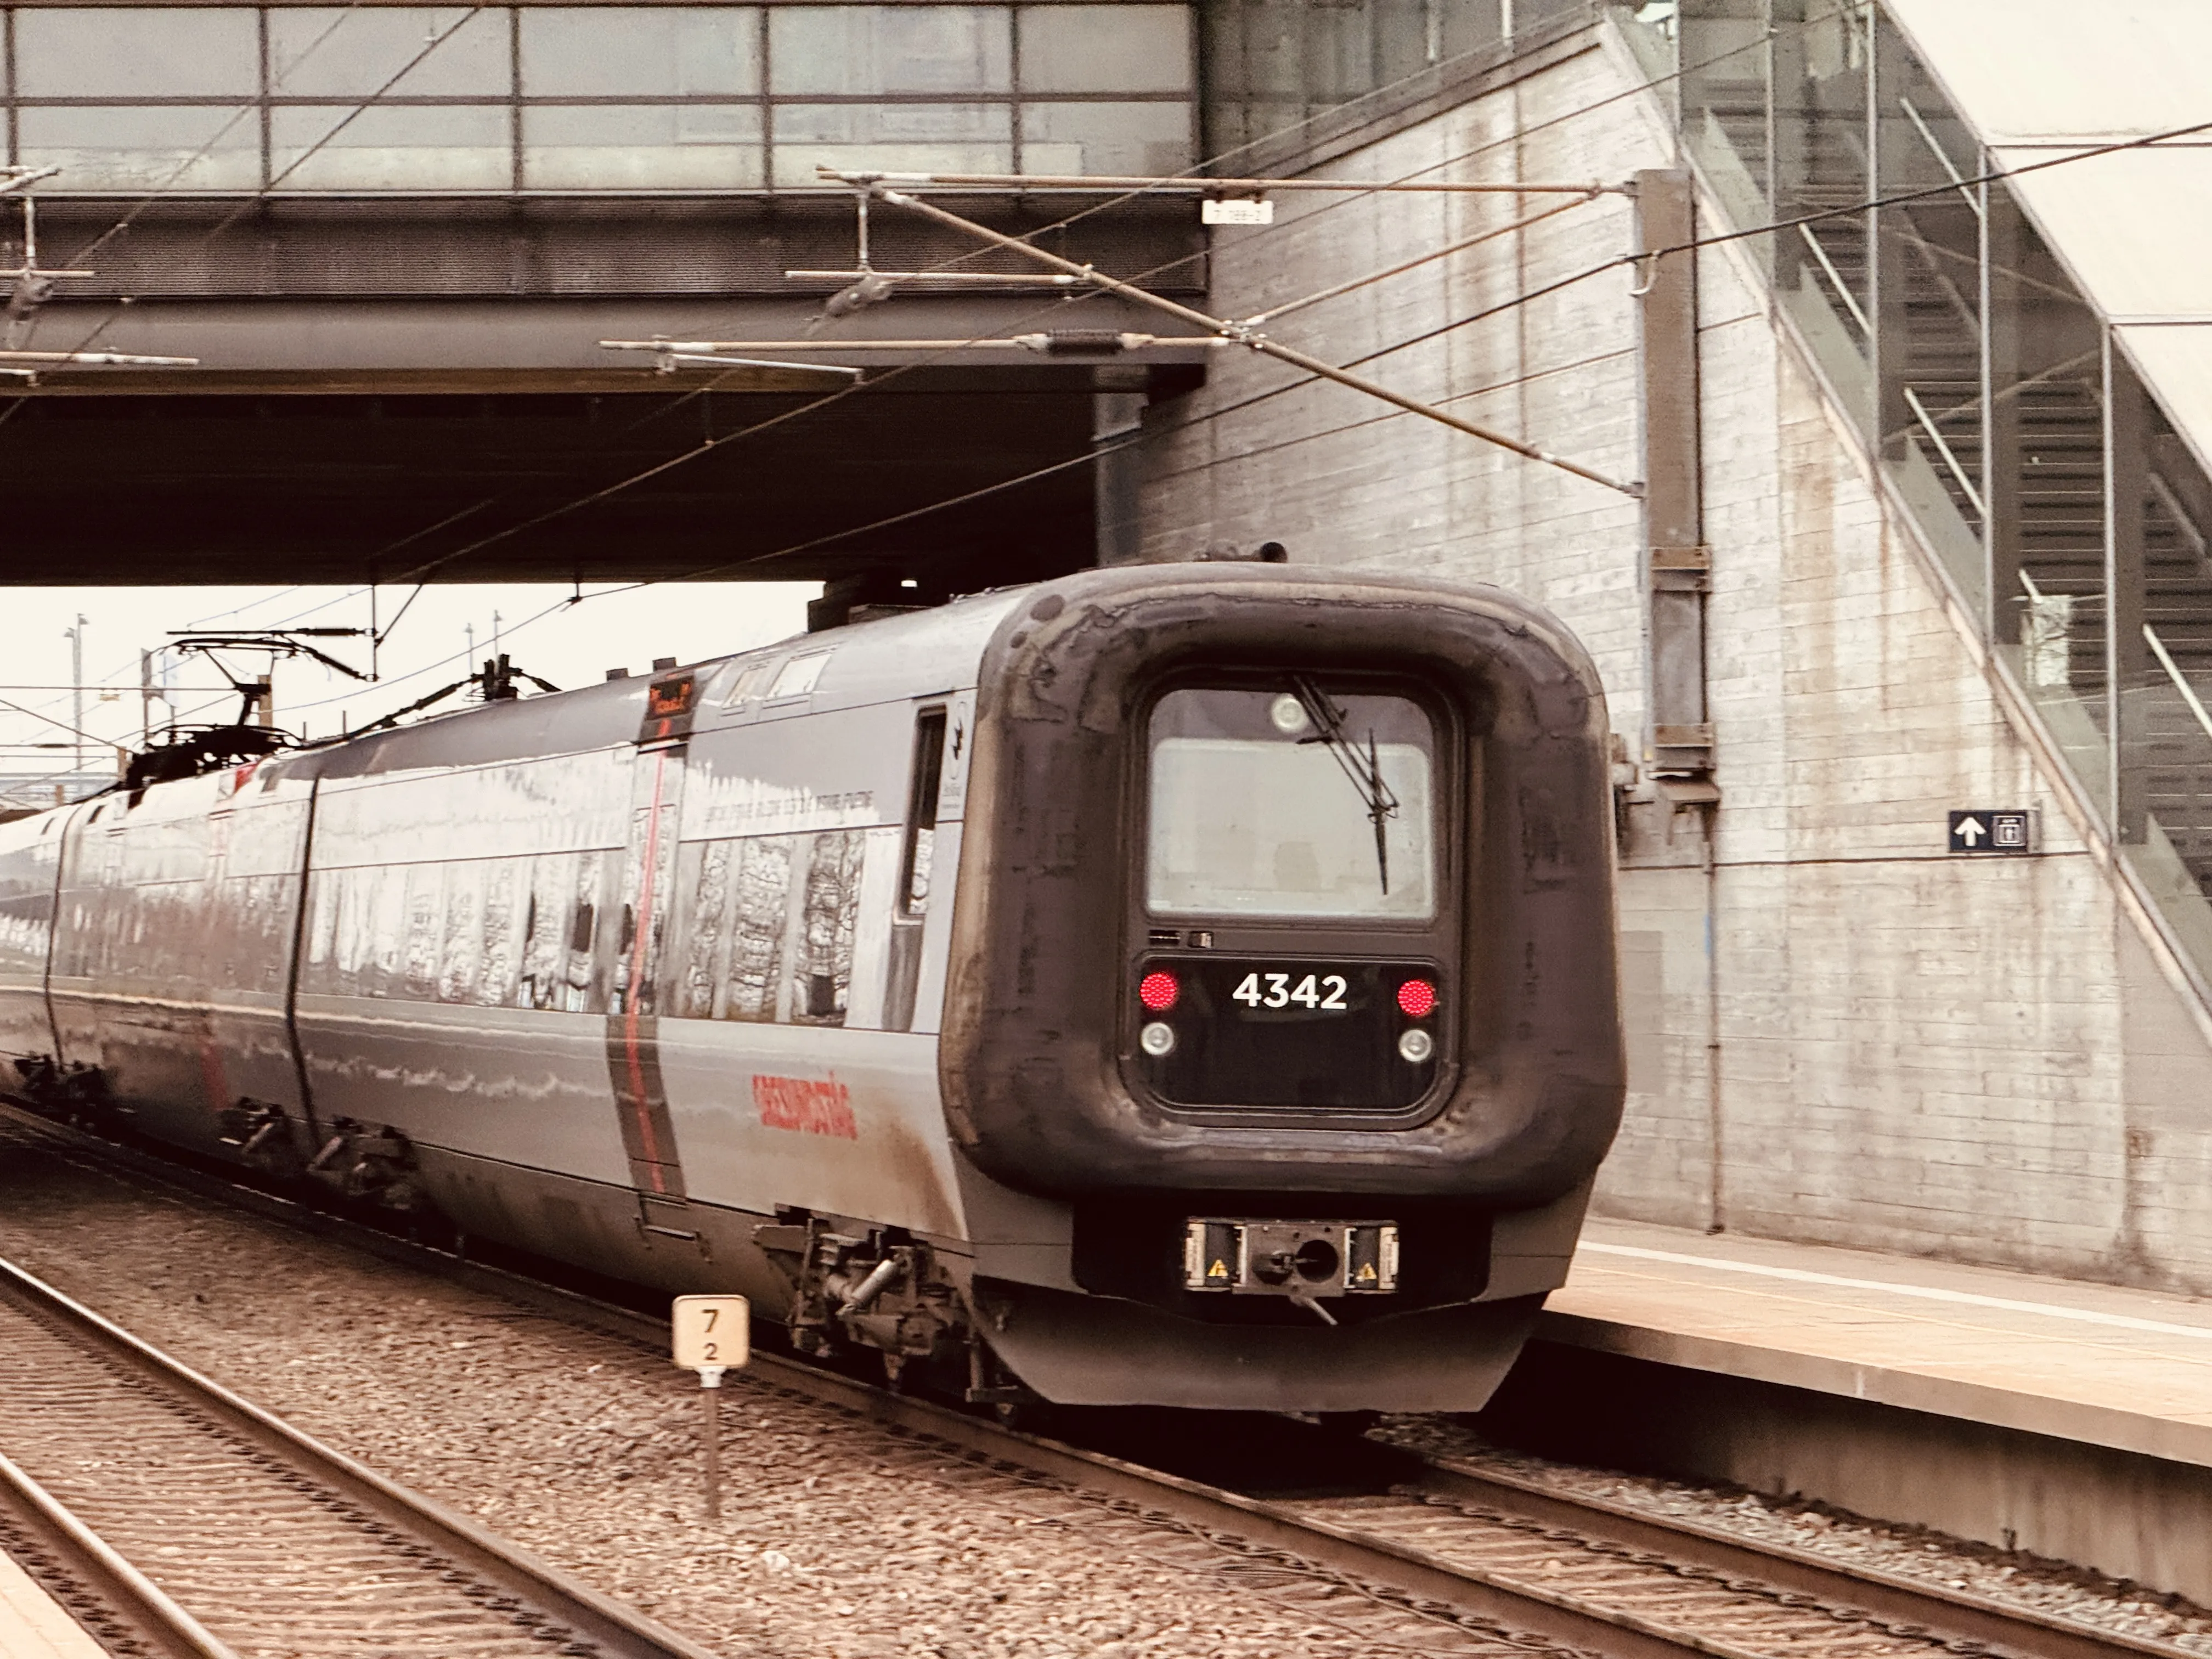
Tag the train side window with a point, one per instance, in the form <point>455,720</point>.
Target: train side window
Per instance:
<point>922,812</point>
<point>751,681</point>
<point>799,677</point>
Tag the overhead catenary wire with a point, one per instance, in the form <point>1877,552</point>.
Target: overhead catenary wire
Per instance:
<point>1243,335</point>
<point>708,573</point>
<point>1414,264</point>
<point>1093,339</point>
<point>1520,135</point>
<point>131,216</point>
<point>49,719</point>
<point>1628,260</point>
<point>704,445</point>
<point>350,114</point>
<point>1083,339</point>
<point>1900,198</point>
<point>1345,199</point>
<point>1200,184</point>
<point>1895,199</point>
<point>1213,462</point>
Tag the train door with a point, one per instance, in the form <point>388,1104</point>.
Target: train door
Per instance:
<point>917,859</point>
<point>87,859</point>
<point>249,1061</point>
<point>647,906</point>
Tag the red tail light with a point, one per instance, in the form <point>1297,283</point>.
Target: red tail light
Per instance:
<point>1416,997</point>
<point>1159,991</point>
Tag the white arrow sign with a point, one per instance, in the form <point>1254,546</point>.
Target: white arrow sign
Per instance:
<point>1971,831</point>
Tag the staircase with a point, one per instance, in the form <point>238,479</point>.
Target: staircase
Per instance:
<point>1806,153</point>
<point>2059,469</point>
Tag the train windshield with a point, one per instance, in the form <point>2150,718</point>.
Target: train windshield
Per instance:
<point>1295,801</point>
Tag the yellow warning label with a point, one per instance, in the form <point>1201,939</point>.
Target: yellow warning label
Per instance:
<point>1366,1270</point>
<point>1219,1270</point>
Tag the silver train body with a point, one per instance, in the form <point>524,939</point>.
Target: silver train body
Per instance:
<point>836,974</point>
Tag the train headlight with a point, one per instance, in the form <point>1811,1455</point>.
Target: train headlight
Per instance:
<point>1157,1038</point>
<point>1289,716</point>
<point>1414,1047</point>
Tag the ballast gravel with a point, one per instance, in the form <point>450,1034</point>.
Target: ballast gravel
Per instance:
<point>2014,1575</point>
<point>838,1539</point>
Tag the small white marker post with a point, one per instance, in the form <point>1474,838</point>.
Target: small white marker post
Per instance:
<point>712,1335</point>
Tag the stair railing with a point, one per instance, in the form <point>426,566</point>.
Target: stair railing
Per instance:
<point>1836,280</point>
<point>1943,448</point>
<point>2181,683</point>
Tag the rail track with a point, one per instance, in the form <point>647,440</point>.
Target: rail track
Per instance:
<point>123,1610</point>
<point>1494,1563</point>
<point>174,1517</point>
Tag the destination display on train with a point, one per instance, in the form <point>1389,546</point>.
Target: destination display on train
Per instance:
<point>1215,1030</point>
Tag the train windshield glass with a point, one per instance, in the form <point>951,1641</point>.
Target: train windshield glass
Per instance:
<point>1295,801</point>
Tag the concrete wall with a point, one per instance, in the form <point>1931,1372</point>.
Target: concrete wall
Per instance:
<point>1979,1059</point>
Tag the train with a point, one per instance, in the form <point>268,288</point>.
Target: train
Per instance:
<point>1180,985</point>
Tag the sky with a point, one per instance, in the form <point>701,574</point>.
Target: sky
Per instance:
<point>429,645</point>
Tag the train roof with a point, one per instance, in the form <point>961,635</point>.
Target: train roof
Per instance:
<point>887,658</point>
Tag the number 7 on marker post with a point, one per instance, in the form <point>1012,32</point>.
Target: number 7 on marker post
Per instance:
<point>712,1331</point>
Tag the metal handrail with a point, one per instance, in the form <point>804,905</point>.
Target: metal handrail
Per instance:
<point>1836,279</point>
<point>2189,697</point>
<point>2174,672</point>
<point>1942,157</point>
<point>1928,425</point>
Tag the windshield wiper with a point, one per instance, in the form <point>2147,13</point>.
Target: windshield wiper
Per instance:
<point>1366,771</point>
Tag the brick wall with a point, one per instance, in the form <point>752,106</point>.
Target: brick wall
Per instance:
<point>1976,1060</point>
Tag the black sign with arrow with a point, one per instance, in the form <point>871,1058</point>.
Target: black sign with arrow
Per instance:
<point>1992,830</point>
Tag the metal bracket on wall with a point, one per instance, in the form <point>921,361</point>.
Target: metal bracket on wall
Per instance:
<point>1681,570</point>
<point>1683,751</point>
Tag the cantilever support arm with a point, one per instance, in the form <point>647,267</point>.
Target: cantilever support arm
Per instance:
<point>1239,332</point>
<point>112,359</point>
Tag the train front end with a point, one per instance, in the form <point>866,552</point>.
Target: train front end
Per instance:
<point>1284,956</point>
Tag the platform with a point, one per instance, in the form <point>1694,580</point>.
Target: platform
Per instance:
<point>32,1624</point>
<point>2070,1418</point>
<point>2131,1370</point>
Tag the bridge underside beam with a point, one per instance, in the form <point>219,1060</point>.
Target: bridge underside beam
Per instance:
<point>398,391</point>
<point>454,441</point>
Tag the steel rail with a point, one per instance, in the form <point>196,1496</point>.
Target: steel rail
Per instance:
<point>1951,1615</point>
<point>89,1580</point>
<point>1934,1615</point>
<point>1861,1599</point>
<point>600,1624</point>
